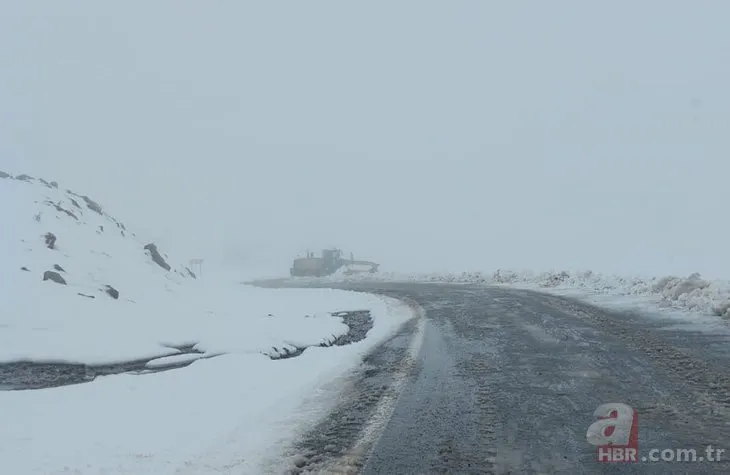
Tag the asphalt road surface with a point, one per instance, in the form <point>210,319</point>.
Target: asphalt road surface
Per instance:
<point>507,381</point>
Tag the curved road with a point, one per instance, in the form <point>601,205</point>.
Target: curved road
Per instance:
<point>507,381</point>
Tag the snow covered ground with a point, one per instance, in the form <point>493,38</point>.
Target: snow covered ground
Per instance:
<point>77,286</point>
<point>692,294</point>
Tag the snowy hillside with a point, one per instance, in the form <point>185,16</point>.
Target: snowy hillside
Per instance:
<point>78,285</point>
<point>100,318</point>
<point>58,235</point>
<point>692,293</point>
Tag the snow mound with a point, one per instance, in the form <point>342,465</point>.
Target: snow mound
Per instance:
<point>691,293</point>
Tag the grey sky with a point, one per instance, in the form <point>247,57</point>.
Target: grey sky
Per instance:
<point>424,134</point>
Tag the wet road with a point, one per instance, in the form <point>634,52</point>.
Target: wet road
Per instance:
<point>506,381</point>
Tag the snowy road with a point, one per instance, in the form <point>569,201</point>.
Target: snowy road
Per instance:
<point>507,381</point>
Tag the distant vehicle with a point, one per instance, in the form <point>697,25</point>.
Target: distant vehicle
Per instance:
<point>330,262</point>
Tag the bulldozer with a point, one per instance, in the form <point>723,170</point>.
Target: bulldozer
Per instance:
<point>328,263</point>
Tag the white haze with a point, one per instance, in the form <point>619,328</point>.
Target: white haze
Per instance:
<point>426,135</point>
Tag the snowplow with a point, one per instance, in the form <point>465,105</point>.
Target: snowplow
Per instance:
<point>329,262</point>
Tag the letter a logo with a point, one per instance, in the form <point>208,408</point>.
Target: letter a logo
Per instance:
<point>616,427</point>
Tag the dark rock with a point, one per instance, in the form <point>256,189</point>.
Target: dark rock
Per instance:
<point>112,292</point>
<point>24,177</point>
<point>101,229</point>
<point>191,273</point>
<point>58,268</point>
<point>44,182</point>
<point>69,213</point>
<point>5,175</point>
<point>54,276</point>
<point>62,210</point>
<point>156,257</point>
<point>75,203</point>
<point>54,184</point>
<point>50,240</point>
<point>119,225</point>
<point>93,205</point>
<point>25,269</point>
<point>87,296</point>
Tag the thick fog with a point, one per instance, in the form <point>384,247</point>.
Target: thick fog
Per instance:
<point>425,135</point>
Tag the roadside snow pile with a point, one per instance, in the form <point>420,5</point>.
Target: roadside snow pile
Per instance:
<point>692,293</point>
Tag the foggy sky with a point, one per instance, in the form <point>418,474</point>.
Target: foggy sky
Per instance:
<point>426,135</point>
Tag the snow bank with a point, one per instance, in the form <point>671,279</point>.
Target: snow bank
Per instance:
<point>77,286</point>
<point>235,413</point>
<point>691,293</point>
<point>225,318</point>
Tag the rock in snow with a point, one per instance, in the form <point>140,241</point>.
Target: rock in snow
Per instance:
<point>54,277</point>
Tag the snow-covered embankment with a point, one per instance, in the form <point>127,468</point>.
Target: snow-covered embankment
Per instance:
<point>78,286</point>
